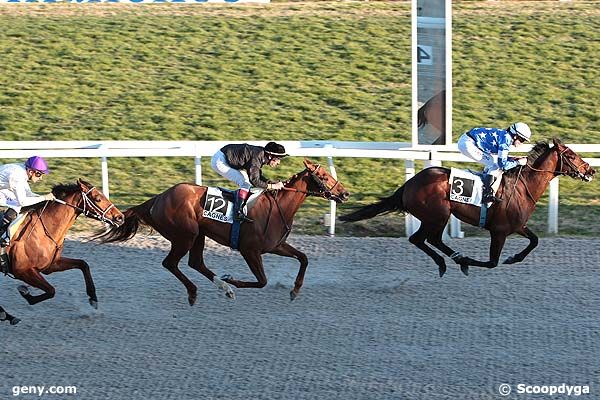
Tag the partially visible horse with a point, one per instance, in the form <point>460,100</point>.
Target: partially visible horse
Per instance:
<point>177,214</point>
<point>37,245</point>
<point>433,112</point>
<point>426,196</point>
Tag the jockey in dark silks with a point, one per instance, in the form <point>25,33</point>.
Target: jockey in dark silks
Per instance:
<point>490,146</point>
<point>233,158</point>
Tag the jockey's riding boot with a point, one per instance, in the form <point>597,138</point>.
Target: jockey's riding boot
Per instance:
<point>240,202</point>
<point>9,216</point>
<point>488,192</point>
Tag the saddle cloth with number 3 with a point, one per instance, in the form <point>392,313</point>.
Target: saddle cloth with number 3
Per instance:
<point>465,187</point>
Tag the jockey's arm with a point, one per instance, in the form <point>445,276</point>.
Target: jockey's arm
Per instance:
<point>256,178</point>
<point>25,197</point>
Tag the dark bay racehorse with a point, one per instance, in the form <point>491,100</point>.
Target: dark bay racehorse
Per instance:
<point>177,215</point>
<point>433,112</point>
<point>426,196</point>
<point>37,245</point>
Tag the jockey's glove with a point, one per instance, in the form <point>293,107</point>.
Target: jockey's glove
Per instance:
<point>275,186</point>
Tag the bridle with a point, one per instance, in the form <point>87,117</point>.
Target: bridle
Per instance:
<point>324,191</point>
<point>90,209</point>
<point>562,159</point>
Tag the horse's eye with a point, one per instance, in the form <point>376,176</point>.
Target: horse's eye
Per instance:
<point>97,199</point>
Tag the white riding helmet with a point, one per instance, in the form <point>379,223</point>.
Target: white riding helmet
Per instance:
<point>521,129</point>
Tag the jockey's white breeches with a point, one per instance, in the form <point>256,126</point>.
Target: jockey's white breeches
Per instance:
<point>467,146</point>
<point>7,199</point>
<point>219,164</point>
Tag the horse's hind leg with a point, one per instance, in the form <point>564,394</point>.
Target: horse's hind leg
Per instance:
<point>418,239</point>
<point>533,242</point>
<point>286,250</point>
<point>196,261</point>
<point>65,264</point>
<point>171,262</point>
<point>33,278</point>
<point>4,316</point>
<point>436,239</point>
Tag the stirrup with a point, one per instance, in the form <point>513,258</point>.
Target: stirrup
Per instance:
<point>243,217</point>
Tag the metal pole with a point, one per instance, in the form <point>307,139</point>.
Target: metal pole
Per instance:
<point>198,161</point>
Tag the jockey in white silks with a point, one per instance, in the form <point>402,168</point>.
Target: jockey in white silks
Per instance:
<point>15,191</point>
<point>490,146</point>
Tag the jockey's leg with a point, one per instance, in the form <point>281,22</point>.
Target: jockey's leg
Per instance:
<point>240,203</point>
<point>9,216</point>
<point>491,182</point>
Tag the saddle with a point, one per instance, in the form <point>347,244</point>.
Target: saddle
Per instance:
<point>5,267</point>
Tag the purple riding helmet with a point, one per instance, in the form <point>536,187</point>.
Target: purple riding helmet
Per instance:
<point>38,164</point>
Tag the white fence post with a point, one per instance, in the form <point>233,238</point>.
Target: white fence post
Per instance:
<point>105,189</point>
<point>553,207</point>
<point>411,223</point>
<point>332,204</point>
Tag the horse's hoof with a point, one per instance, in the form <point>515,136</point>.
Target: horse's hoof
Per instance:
<point>23,290</point>
<point>14,321</point>
<point>464,269</point>
<point>192,300</point>
<point>230,294</point>
<point>94,303</point>
<point>442,271</point>
<point>510,260</point>
<point>2,315</point>
<point>293,295</point>
<point>226,277</point>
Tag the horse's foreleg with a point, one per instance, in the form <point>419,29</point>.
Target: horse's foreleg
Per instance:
<point>4,316</point>
<point>496,245</point>
<point>286,250</point>
<point>65,264</point>
<point>196,261</point>
<point>35,279</point>
<point>533,242</point>
<point>254,261</point>
<point>418,239</point>
<point>171,262</point>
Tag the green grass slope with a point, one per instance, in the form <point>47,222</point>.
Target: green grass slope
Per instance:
<point>311,70</point>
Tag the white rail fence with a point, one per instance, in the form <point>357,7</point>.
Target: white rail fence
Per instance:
<point>103,150</point>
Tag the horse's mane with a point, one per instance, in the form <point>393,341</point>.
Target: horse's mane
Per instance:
<point>60,191</point>
<point>539,149</point>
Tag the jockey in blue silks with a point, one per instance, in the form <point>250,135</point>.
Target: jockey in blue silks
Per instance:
<point>490,146</point>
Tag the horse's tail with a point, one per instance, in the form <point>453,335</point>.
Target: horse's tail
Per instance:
<point>384,205</point>
<point>134,217</point>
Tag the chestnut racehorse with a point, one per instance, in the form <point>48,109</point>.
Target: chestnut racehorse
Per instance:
<point>426,196</point>
<point>37,245</point>
<point>177,215</point>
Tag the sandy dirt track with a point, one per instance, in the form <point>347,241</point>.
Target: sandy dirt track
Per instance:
<point>373,321</point>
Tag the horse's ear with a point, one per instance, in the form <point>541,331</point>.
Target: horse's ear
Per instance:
<point>308,164</point>
<point>82,184</point>
<point>556,141</point>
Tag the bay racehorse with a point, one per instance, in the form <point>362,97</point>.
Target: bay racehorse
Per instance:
<point>426,196</point>
<point>177,214</point>
<point>36,247</point>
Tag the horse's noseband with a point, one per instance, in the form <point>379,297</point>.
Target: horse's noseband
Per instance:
<point>324,191</point>
<point>91,209</point>
<point>574,170</point>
